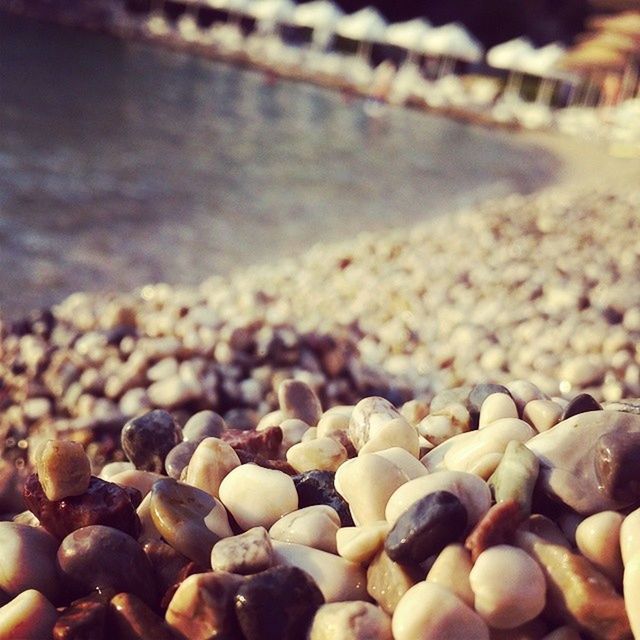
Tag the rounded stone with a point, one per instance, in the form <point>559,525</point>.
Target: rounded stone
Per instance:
<point>132,618</point>
<point>244,554</point>
<point>210,463</point>
<point>582,403</point>
<point>148,439</point>
<point>277,604</point>
<point>314,526</point>
<point>204,424</point>
<point>297,400</point>
<point>495,407</point>
<point>325,454</point>
<point>478,394</point>
<point>617,463</point>
<point>368,417</point>
<point>63,469</point>
<point>317,487</point>
<point>426,528</point>
<point>178,458</point>
<point>29,616</point>
<point>83,618</point>
<point>350,621</point>
<point>102,557</point>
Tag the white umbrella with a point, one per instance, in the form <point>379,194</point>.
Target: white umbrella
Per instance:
<point>269,13</point>
<point>408,35</point>
<point>321,16</point>
<point>511,55</point>
<point>451,42</point>
<point>543,63</point>
<point>364,26</point>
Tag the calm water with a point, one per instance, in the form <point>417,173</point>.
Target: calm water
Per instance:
<point>122,164</point>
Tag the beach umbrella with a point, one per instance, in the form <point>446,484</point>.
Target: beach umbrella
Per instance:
<point>321,16</point>
<point>364,27</point>
<point>408,35</point>
<point>543,63</point>
<point>449,43</point>
<point>268,14</point>
<point>511,56</point>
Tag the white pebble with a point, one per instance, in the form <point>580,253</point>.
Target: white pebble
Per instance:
<point>313,526</point>
<point>495,407</point>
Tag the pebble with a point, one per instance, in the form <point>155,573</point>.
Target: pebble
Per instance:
<point>257,497</point>
<point>210,463</point>
<point>478,394</point>
<point>189,519</point>
<point>497,526</point>
<point>495,407</point>
<point>631,590</point>
<point>332,422</point>
<point>439,426</point>
<point>142,481</point>
<point>569,458</point>
<point>360,544</point>
<point>293,431</point>
<point>350,621</point>
<point>28,560</point>
<point>451,570</point>
<point>103,557</point>
<point>617,465</point>
<point>132,618</point>
<point>598,540</point>
<point>167,563</point>
<point>112,468</point>
<point>277,604</point>
<point>337,578</point>
<point>83,618</point>
<point>404,462</point>
<point>430,612</point>
<point>201,425</point>
<point>63,469</point>
<point>29,616</point>
<point>630,536</point>
<point>542,414</point>
<point>388,581</point>
<point>244,554</point>
<point>314,526</point>
<point>426,527</point>
<point>147,440</point>
<point>203,606</point>
<point>178,458</point>
<point>367,418</point>
<point>297,400</point>
<point>317,487</point>
<point>265,443</point>
<point>581,403</point>
<point>523,392</point>
<point>508,585</point>
<point>325,454</point>
<point>394,433</point>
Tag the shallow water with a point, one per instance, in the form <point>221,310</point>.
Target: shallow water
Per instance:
<point>122,164</point>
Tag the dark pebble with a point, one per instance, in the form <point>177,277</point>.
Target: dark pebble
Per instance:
<point>478,395</point>
<point>102,503</point>
<point>277,604</point>
<point>167,563</point>
<point>178,458</point>
<point>147,440</point>
<point>317,487</point>
<point>426,528</point>
<point>132,619</point>
<point>204,424</point>
<point>265,443</point>
<point>84,619</point>
<point>617,462</point>
<point>581,404</point>
<point>247,457</point>
<point>102,557</point>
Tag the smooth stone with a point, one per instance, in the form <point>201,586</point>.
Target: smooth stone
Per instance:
<point>147,440</point>
<point>438,427</point>
<point>137,479</point>
<point>174,391</point>
<point>360,544</point>
<point>404,462</point>
<point>426,528</point>
<point>337,578</point>
<point>132,619</point>
<point>630,536</point>
<point>148,530</point>
<point>83,618</point>
<point>201,425</point>
<point>430,612</point>
<point>167,563</point>
<point>451,570</point>
<point>546,529</point>
<point>618,465</point>
<point>516,475</point>
<point>433,460</point>
<point>111,468</point>
<point>244,554</point>
<point>314,526</point>
<point>178,458</point>
<point>277,604</point>
<point>472,491</point>
<point>332,422</point>
<point>203,606</point>
<point>189,519</point>
<point>257,497</point>
<point>542,415</point>
<point>576,591</point>
<point>271,419</point>
<point>29,616</point>
<point>394,433</point>
<point>325,454</point>
<point>496,407</point>
<point>317,487</point>
<point>598,540</point>
<point>388,581</point>
<point>631,590</point>
<point>582,403</point>
<point>210,463</point>
<point>497,526</point>
<point>568,456</point>
<point>104,503</point>
<point>626,406</point>
<point>28,560</point>
<point>478,394</point>
<point>350,621</point>
<point>63,469</point>
<point>508,585</point>
<point>368,417</point>
<point>366,483</point>
<point>102,557</point>
<point>266,443</point>
<point>293,431</point>
<point>524,391</point>
<point>298,400</point>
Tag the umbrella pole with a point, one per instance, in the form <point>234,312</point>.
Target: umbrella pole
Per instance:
<point>545,92</point>
<point>573,93</point>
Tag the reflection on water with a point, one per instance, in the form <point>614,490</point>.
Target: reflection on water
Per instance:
<point>121,164</point>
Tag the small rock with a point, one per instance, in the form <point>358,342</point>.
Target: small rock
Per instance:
<point>542,414</point>
<point>332,422</point>
<point>210,463</point>
<point>132,618</point>
<point>394,433</point>
<point>29,616</point>
<point>277,604</point>
<point>496,527</point>
<point>102,557</point>
<point>83,618</point>
<point>325,454</point>
<point>367,418</point>
<point>204,424</point>
<point>451,570</point>
<point>265,443</point>
<point>582,403</point>
<point>598,540</point>
<point>247,553</point>
<point>496,407</point>
<point>297,400</point>
<point>63,469</point>
<point>293,431</point>
<point>631,589</point>
<point>350,621</point>
<point>388,581</point>
<point>617,462</point>
<point>317,487</point>
<point>478,394</point>
<point>178,458</point>
<point>167,563</point>
<point>141,481</point>
<point>426,527</point>
<point>360,544</point>
<point>147,440</point>
<point>112,468</point>
<point>314,526</point>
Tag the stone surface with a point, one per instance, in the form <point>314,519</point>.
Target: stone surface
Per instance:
<point>297,400</point>
<point>426,527</point>
<point>141,481</point>
<point>388,581</point>
<point>317,487</point>
<point>189,519</point>
<point>617,461</point>
<point>63,469</point>
<point>451,570</point>
<point>132,619</point>
<point>103,503</point>
<point>244,554</point>
<point>257,497</point>
<point>314,526</point>
<point>201,425</point>
<point>98,557</point>
<point>367,418</point>
<point>147,440</point>
<point>496,527</point>
<point>29,616</point>
<point>277,604</point>
<point>569,455</point>
<point>495,407</point>
<point>324,454</point>
<point>360,544</point>
<point>178,458</point>
<point>203,606</point>
<point>264,443</point>
<point>581,403</point>
<point>350,621</point>
<point>210,463</point>
<point>598,540</point>
<point>631,590</point>
<point>84,618</point>
<point>542,414</point>
<point>167,563</point>
<point>478,394</point>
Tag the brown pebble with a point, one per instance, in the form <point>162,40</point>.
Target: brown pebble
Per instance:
<point>132,619</point>
<point>496,527</point>
<point>265,443</point>
<point>83,618</point>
